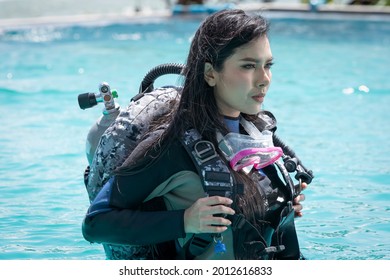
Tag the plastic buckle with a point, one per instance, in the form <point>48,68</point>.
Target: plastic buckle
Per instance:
<point>204,151</point>
<point>269,252</point>
<point>274,249</point>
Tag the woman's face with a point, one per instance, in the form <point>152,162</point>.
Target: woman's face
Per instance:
<point>244,80</point>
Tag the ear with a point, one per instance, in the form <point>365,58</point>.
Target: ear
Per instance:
<point>209,74</point>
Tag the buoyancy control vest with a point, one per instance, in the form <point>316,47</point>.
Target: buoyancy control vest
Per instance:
<point>116,144</point>
<point>276,239</point>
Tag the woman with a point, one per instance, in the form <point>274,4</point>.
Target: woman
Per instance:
<point>157,198</point>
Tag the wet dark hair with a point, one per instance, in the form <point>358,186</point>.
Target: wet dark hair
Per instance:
<point>217,38</point>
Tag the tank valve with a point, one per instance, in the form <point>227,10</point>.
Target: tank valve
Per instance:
<point>106,95</point>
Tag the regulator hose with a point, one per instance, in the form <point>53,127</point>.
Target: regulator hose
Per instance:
<point>154,73</point>
<point>292,162</point>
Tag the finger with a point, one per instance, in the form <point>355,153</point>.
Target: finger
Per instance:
<point>214,224</point>
<point>219,221</point>
<point>214,200</point>
<point>297,207</point>
<point>298,214</point>
<point>303,186</point>
<point>215,229</point>
<point>299,198</point>
<point>220,209</point>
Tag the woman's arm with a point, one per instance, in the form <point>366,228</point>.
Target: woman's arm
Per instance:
<point>117,214</point>
<point>131,227</point>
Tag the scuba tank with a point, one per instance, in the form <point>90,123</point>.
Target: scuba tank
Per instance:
<point>111,109</point>
<point>110,113</point>
<point>115,135</point>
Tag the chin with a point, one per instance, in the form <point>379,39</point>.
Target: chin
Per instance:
<point>252,112</point>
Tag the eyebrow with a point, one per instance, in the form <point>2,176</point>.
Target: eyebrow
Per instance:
<point>251,59</point>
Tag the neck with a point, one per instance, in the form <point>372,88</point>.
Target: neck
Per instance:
<point>233,123</point>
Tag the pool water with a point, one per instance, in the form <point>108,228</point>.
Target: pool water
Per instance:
<point>330,94</point>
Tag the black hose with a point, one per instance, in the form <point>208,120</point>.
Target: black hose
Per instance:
<point>286,149</point>
<point>154,73</point>
<point>293,163</point>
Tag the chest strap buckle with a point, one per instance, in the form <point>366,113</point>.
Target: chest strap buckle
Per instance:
<point>204,151</point>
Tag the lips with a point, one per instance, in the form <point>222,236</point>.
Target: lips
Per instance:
<point>258,98</point>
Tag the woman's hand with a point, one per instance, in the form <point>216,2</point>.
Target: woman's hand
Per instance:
<point>297,202</point>
<point>199,218</point>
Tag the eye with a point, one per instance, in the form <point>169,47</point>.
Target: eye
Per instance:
<point>249,66</point>
<point>269,65</point>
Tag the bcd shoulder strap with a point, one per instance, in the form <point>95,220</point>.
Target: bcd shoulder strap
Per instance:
<point>216,180</point>
<point>215,175</point>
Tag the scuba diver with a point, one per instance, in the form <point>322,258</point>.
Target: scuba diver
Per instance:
<point>201,177</point>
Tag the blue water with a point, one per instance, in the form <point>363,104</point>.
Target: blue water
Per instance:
<point>330,93</point>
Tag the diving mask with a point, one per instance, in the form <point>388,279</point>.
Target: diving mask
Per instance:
<point>244,151</point>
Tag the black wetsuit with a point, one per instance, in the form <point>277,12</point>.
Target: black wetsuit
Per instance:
<point>115,219</point>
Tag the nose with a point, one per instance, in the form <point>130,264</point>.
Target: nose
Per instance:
<point>264,78</point>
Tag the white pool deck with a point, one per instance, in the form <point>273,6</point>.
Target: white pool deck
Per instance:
<point>20,13</point>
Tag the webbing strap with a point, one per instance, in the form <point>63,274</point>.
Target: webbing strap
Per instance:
<point>286,235</point>
<point>214,173</point>
<point>196,246</point>
<point>216,180</point>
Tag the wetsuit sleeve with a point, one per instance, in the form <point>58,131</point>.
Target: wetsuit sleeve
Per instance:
<point>131,227</point>
<point>115,217</point>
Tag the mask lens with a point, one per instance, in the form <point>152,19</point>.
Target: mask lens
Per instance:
<point>242,151</point>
